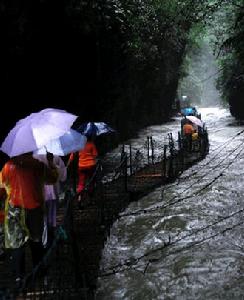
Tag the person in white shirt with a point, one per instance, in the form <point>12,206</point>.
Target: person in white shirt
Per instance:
<point>51,196</point>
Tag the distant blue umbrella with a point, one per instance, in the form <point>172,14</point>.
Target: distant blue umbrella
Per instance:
<point>94,128</point>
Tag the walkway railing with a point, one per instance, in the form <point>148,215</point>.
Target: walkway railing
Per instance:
<point>70,266</point>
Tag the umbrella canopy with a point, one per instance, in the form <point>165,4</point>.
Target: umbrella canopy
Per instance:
<point>36,130</point>
<point>95,128</point>
<point>71,141</point>
<point>189,111</point>
<point>195,120</point>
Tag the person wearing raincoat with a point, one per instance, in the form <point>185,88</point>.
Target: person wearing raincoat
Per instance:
<point>188,130</point>
<point>86,165</point>
<point>23,178</point>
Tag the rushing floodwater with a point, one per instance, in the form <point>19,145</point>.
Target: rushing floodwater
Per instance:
<point>193,246</point>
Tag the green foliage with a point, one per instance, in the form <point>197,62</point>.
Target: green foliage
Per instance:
<point>228,40</point>
<point>123,57</point>
<point>141,45</point>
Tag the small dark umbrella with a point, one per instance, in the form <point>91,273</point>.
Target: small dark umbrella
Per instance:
<point>94,128</point>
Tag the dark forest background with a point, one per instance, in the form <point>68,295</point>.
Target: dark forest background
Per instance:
<point>118,61</point>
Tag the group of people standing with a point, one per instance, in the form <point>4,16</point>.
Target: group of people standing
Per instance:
<point>30,186</point>
<point>190,132</point>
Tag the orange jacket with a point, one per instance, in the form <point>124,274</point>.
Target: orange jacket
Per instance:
<point>24,183</point>
<point>87,156</point>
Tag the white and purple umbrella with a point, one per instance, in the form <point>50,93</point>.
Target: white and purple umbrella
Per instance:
<point>37,130</point>
<point>195,120</point>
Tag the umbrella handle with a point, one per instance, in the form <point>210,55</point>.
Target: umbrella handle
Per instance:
<point>49,156</point>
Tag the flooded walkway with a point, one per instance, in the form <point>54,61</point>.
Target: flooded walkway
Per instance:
<point>184,240</point>
<point>72,263</point>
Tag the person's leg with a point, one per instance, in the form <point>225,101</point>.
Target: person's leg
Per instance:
<point>51,208</point>
<point>53,213</point>
<point>81,181</point>
<point>82,175</point>
<point>18,261</point>
<point>35,224</point>
<point>51,220</point>
<point>37,252</point>
<point>2,250</point>
<point>90,179</point>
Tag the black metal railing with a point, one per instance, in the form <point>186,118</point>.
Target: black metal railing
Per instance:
<point>64,272</point>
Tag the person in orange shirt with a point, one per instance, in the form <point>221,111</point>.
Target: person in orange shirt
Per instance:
<point>23,178</point>
<point>188,130</point>
<point>86,165</point>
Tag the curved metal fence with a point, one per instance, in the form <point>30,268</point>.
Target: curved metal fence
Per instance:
<point>70,266</point>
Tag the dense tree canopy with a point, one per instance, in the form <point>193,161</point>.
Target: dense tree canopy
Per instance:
<point>113,60</point>
<point>229,42</point>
